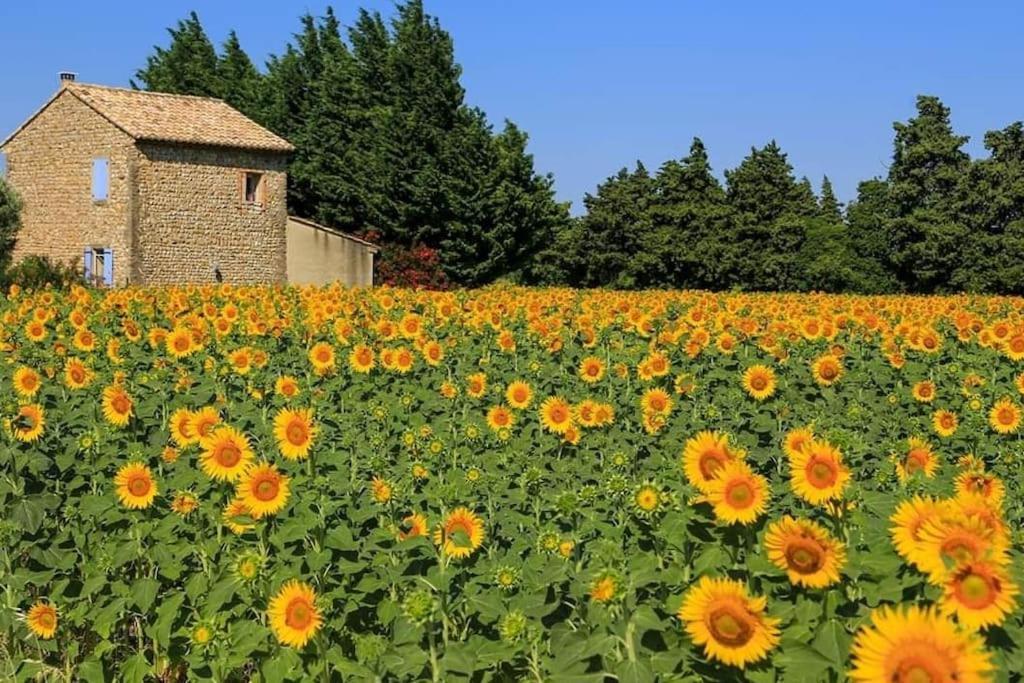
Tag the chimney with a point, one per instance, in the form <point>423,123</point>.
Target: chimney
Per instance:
<point>66,77</point>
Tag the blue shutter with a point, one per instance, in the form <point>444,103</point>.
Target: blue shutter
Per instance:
<point>108,267</point>
<point>87,265</point>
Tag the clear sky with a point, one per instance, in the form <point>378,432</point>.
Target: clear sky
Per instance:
<point>599,84</point>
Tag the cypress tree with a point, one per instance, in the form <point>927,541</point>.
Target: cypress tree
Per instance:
<point>10,221</point>
<point>239,82</point>
<point>188,66</point>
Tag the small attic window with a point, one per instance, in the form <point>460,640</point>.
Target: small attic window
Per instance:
<point>100,179</point>
<point>252,188</point>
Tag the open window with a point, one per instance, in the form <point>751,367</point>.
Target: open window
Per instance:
<point>100,179</point>
<point>98,264</point>
<point>251,185</point>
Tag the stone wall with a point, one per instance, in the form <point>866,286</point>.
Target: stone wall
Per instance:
<point>318,256</point>
<point>192,219</point>
<point>49,164</point>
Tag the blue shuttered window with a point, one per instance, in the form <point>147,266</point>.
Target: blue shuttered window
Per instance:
<point>87,264</point>
<point>100,179</point>
<point>108,267</point>
<point>98,266</point>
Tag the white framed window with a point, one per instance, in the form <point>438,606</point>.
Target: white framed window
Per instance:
<point>98,266</point>
<point>100,179</point>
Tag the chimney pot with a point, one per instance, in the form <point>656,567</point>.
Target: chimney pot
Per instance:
<point>66,77</point>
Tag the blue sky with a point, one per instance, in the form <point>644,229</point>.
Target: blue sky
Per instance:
<point>600,84</point>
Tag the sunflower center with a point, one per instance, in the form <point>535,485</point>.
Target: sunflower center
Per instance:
<point>958,550</point>
<point>323,356</point>
<point>181,344</point>
<point>730,627</point>
<point>822,473</point>
<point>139,485</point>
<point>77,375</point>
<point>299,614</point>
<point>710,463</point>
<point>296,433</point>
<point>917,669</point>
<point>1006,416</point>
<point>828,371</point>
<point>228,455</point>
<point>740,494</point>
<point>647,499</point>
<point>266,489</point>
<point>975,591</point>
<point>916,460</point>
<point>46,620</point>
<point>804,556</point>
<point>120,404</point>
<point>758,382</point>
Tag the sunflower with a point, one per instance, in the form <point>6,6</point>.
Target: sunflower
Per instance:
<point>827,370</point>
<point>944,422</point>
<point>519,395</point>
<point>227,454</point>
<point>759,381</point>
<point>1004,416</point>
<point>179,342</point>
<point>263,489</point>
<point>918,458</point>
<point>381,490</point>
<point>361,359</point>
<point>500,417</point>
<point>704,456</point>
<point>412,526</point>
<point>924,391</point>
<point>795,441</point>
<point>604,588</point>
<point>180,425</point>
<point>42,620</point>
<point>321,357</point>
<point>818,474</point>
<point>656,402</point>
<point>983,484</point>
<point>184,503</point>
<point>946,540</point>
<point>203,422</point>
<point>737,494</point>
<point>76,374</point>
<point>27,425</point>
<point>237,517</point>
<point>461,533</point>
<point>117,405</point>
<point>433,353</point>
<point>26,382</point>
<point>286,386</point>
<point>556,415</point>
<point>591,369</point>
<point>979,594</point>
<point>293,614</point>
<point>907,520</point>
<point>647,500</point>
<point>731,625</point>
<point>806,551</point>
<point>476,384</point>
<point>135,486</point>
<point>294,431</point>
<point>916,644</point>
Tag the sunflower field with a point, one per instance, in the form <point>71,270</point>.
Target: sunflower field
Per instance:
<point>282,484</point>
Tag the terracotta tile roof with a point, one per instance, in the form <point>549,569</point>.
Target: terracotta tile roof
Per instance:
<point>177,118</point>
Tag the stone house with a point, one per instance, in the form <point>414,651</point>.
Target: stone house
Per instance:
<point>151,188</point>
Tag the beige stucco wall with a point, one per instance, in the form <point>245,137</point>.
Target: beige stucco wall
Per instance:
<point>317,256</point>
<point>191,216</point>
<point>49,164</point>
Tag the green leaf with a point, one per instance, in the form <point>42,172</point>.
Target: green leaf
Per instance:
<point>144,591</point>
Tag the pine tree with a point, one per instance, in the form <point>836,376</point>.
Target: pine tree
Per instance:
<point>188,66</point>
<point>690,209</point>
<point>925,236</point>
<point>829,207</point>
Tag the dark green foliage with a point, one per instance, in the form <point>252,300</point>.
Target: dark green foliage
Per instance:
<point>384,139</point>
<point>10,221</point>
<point>39,272</point>
<point>188,66</point>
